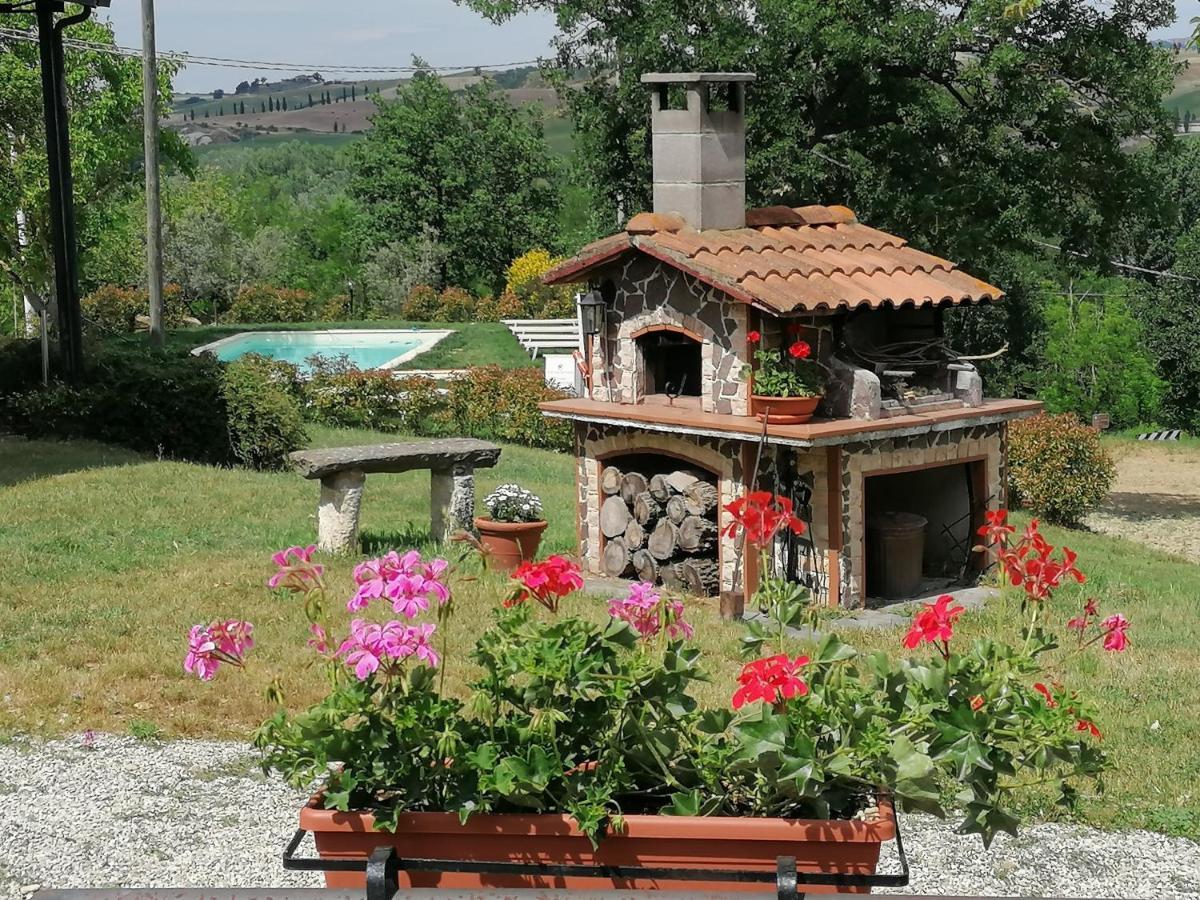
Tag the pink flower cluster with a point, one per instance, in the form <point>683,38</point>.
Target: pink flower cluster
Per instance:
<point>297,572</point>
<point>409,582</point>
<point>647,612</point>
<point>219,642</point>
<point>369,645</point>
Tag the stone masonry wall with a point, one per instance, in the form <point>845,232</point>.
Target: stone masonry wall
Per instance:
<point>868,457</point>
<point>649,293</point>
<point>599,442</point>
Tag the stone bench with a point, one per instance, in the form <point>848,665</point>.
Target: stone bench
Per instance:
<point>343,472</point>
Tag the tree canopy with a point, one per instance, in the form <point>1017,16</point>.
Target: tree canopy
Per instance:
<point>963,128</point>
<point>472,170</point>
<point>104,97</point>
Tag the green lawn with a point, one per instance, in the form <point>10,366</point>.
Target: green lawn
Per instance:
<point>108,556</point>
<point>472,344</point>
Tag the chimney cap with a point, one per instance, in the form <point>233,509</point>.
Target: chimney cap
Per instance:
<point>696,77</point>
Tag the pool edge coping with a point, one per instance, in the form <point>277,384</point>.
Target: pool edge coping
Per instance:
<point>433,337</point>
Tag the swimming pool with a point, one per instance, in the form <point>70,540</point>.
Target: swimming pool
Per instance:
<point>365,348</point>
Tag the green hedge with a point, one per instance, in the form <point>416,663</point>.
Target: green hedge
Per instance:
<point>486,402</point>
<point>164,402</point>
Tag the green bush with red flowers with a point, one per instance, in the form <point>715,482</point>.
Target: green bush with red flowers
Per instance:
<point>598,721</point>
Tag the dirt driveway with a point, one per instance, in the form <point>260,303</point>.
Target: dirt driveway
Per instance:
<point>1156,499</point>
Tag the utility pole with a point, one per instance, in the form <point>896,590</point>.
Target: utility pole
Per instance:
<point>154,264</point>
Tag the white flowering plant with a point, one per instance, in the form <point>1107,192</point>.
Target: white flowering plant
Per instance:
<point>512,503</point>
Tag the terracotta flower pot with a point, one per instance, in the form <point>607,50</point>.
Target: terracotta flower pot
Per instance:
<point>784,410</point>
<point>689,842</point>
<point>510,543</point>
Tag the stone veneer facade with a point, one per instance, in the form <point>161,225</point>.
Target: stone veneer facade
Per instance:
<point>649,294</point>
<point>835,562</point>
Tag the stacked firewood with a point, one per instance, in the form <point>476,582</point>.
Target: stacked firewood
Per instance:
<point>661,529</point>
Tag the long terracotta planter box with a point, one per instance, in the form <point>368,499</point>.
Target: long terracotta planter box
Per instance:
<point>685,842</point>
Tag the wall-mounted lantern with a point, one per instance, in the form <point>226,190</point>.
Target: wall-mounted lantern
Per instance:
<point>591,313</point>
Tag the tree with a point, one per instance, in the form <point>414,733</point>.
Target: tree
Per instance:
<point>243,88</point>
<point>270,104</point>
<point>218,94</point>
<point>476,171</point>
<point>284,100</point>
<point>221,109</point>
<point>964,129</point>
<point>310,100</point>
<point>243,108</point>
<point>104,100</point>
<point>1167,312</point>
<point>1095,359</point>
<point>353,93</point>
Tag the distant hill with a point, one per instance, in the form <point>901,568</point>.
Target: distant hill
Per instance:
<point>310,105</point>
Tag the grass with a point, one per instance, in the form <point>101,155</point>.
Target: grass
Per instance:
<point>108,556</point>
<point>472,344</point>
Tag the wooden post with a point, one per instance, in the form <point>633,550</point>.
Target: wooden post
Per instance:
<point>154,264</point>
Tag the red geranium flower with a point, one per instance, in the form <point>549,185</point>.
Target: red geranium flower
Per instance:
<point>1045,692</point>
<point>547,582</point>
<point>934,624</point>
<point>754,337</point>
<point>770,680</point>
<point>761,515</point>
<point>800,350</point>
<point>1089,726</point>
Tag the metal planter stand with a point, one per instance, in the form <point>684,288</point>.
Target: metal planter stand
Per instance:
<point>383,867</point>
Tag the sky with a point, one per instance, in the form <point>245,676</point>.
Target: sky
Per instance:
<point>354,32</point>
<point>329,32</point>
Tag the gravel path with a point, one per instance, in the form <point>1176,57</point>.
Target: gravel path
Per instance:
<point>199,813</point>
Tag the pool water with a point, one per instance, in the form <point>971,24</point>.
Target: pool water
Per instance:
<point>365,349</point>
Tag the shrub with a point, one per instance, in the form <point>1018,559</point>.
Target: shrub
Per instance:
<point>335,309</point>
<point>524,279</point>
<point>421,305</point>
<point>115,309</point>
<point>1057,467</point>
<point>486,402</point>
<point>175,405</point>
<point>265,303</point>
<point>502,404</point>
<point>455,305</point>
<point>487,309</point>
<point>265,419</point>
<point>339,394</point>
<point>510,306</point>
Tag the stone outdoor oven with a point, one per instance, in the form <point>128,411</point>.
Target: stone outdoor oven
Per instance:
<point>664,432</point>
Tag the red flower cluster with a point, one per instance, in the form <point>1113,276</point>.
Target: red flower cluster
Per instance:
<point>547,582</point>
<point>770,680</point>
<point>761,515</point>
<point>1029,564</point>
<point>934,624</point>
<point>800,350</point>
<point>754,337</point>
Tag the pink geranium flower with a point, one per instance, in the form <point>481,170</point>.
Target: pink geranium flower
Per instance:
<point>296,570</point>
<point>646,611</point>
<point>1114,628</point>
<point>408,581</point>
<point>369,645</point>
<point>222,641</point>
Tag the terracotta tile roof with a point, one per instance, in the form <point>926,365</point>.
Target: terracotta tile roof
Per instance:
<point>806,259</point>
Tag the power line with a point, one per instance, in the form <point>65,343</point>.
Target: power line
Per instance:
<point>1119,265</point>
<point>189,59</point>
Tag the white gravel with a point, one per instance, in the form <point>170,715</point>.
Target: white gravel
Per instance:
<point>199,813</point>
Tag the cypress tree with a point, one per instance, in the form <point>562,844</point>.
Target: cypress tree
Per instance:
<point>206,114</point>
<point>353,93</point>
<point>310,100</point>
<point>285,103</point>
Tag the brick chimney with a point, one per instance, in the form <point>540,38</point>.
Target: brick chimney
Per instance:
<point>699,152</point>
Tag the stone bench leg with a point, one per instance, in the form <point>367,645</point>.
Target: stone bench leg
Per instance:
<point>337,511</point>
<point>451,500</point>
